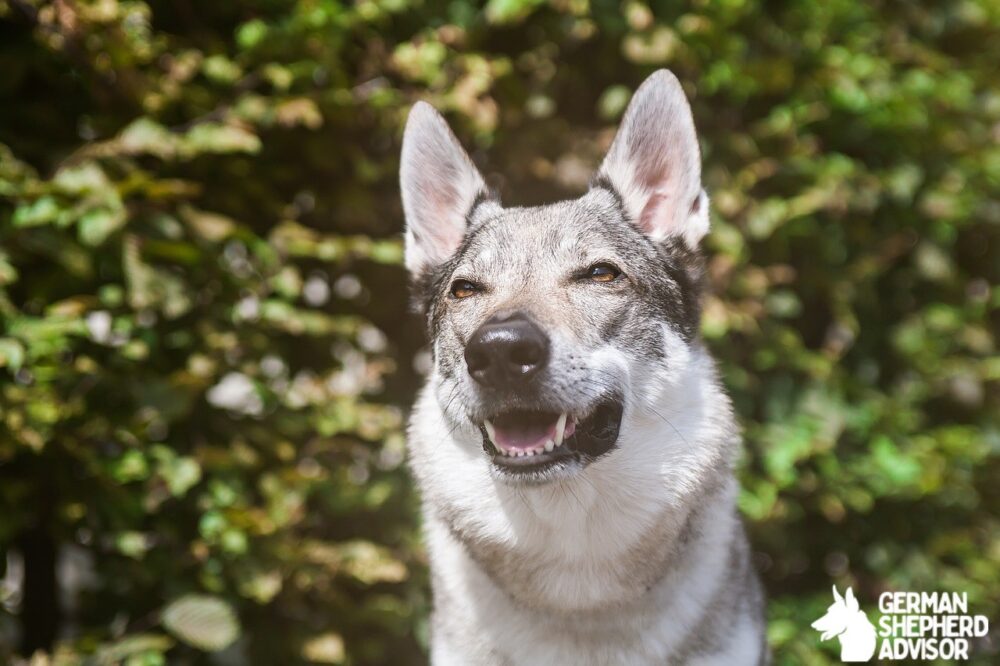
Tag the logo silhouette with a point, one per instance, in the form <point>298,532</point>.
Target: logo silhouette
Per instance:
<point>845,620</point>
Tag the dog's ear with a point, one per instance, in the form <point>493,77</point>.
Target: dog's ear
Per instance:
<point>654,163</point>
<point>852,602</point>
<point>836,596</point>
<point>439,184</point>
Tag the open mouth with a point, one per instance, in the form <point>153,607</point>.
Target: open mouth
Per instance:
<point>530,442</point>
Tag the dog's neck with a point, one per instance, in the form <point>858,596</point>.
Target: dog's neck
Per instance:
<point>622,520</point>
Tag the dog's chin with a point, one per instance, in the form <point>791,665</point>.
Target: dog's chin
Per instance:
<point>537,446</point>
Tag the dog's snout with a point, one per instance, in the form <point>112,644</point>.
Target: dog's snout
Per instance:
<point>505,350</point>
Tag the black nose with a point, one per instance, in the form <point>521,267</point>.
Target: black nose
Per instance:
<point>505,350</point>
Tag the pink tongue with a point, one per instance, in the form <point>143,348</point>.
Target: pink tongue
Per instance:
<point>523,438</point>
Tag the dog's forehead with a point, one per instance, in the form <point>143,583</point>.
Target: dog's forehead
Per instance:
<point>540,237</point>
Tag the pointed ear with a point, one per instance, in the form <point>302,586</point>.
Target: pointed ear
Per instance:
<point>836,595</point>
<point>852,603</point>
<point>654,163</point>
<point>439,184</point>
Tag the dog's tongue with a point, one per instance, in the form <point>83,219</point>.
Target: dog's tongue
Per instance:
<point>523,437</point>
<point>526,431</point>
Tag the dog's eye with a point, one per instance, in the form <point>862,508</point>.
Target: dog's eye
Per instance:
<point>603,272</point>
<point>463,288</point>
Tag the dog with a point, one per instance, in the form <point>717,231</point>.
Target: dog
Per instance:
<point>572,446</point>
<point>845,620</point>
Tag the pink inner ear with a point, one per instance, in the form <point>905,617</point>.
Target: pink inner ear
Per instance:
<point>657,218</point>
<point>450,230</point>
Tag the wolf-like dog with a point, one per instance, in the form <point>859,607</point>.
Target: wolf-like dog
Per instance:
<point>573,447</point>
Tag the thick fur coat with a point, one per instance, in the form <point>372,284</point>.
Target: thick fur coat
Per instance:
<point>610,535</point>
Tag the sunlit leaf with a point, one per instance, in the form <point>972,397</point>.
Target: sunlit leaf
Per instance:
<point>205,622</point>
<point>219,138</point>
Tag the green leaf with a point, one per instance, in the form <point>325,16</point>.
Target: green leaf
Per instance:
<point>509,11</point>
<point>96,225</point>
<point>180,473</point>
<point>205,622</point>
<point>386,252</point>
<point>370,563</point>
<point>8,274</point>
<point>326,648</point>
<point>146,136</point>
<point>251,33</point>
<point>81,179</point>
<point>219,138</point>
<point>11,353</point>
<point>221,69</point>
<point>136,644</point>
<point>42,211</point>
<point>898,467</point>
<point>213,227</point>
<point>612,103</point>
<point>133,544</point>
<point>653,48</point>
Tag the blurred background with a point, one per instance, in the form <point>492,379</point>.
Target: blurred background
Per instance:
<point>206,354</point>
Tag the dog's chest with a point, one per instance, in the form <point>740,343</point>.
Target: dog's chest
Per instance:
<point>571,551</point>
<point>601,596</point>
<point>484,618</point>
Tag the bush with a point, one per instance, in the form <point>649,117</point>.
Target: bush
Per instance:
<point>205,353</point>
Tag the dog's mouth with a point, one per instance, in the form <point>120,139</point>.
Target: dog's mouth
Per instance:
<point>529,443</point>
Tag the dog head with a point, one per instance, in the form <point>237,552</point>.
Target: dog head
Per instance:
<point>551,325</point>
<point>839,616</point>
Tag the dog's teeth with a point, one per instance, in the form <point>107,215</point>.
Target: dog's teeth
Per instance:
<point>549,445</point>
<point>560,430</point>
<point>491,431</point>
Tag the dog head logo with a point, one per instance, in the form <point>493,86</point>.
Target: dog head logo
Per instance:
<point>845,620</point>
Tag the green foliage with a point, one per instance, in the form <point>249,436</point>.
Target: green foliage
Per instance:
<point>205,360</point>
<point>204,622</point>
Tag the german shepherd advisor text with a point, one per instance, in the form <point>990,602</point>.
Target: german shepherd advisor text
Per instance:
<point>573,446</point>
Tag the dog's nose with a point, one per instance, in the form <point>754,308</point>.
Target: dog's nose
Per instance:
<point>505,350</point>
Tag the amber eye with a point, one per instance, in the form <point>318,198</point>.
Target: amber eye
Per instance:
<point>603,272</point>
<point>463,288</point>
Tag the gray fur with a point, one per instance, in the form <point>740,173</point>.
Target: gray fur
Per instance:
<point>634,556</point>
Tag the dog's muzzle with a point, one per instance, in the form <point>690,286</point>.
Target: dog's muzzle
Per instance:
<point>527,436</point>
<point>535,445</point>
